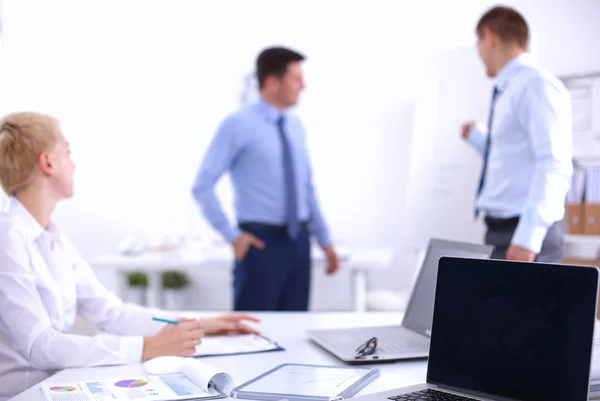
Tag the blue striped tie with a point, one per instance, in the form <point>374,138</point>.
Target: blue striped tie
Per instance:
<point>291,196</point>
<point>486,149</point>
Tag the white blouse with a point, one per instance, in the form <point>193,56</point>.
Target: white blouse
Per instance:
<point>44,283</point>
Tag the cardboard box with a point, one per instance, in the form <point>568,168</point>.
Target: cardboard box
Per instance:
<point>591,223</point>
<point>575,216</point>
<point>580,262</point>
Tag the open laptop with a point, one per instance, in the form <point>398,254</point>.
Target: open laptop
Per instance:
<point>508,331</point>
<point>410,339</point>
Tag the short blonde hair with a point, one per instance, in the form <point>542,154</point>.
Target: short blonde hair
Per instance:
<point>23,137</point>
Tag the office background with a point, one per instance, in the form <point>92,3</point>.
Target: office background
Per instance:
<point>140,87</point>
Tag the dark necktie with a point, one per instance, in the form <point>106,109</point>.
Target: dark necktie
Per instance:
<point>291,197</point>
<point>486,149</point>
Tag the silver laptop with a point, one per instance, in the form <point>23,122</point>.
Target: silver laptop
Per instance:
<point>407,340</point>
<point>508,331</point>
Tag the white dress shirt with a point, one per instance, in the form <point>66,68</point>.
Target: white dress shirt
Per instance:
<point>530,160</point>
<point>44,283</point>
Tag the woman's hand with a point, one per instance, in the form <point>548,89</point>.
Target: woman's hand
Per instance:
<point>229,323</point>
<point>174,340</point>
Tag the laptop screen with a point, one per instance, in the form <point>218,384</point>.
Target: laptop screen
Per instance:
<point>513,329</point>
<point>419,312</point>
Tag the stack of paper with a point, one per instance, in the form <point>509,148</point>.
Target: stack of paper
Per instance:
<point>592,186</point>
<point>576,191</point>
<point>595,371</point>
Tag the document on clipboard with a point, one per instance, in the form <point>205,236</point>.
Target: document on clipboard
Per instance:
<point>235,345</point>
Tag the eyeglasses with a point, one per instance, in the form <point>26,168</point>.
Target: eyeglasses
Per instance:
<point>366,349</point>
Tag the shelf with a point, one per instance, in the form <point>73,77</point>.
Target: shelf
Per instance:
<point>582,239</point>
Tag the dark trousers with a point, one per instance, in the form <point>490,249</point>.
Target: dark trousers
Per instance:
<point>500,233</point>
<point>276,278</point>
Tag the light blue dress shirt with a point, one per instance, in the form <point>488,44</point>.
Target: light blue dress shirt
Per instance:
<point>248,146</point>
<point>530,160</point>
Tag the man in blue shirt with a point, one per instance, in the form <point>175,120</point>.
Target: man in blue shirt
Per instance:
<point>526,146</point>
<point>263,148</point>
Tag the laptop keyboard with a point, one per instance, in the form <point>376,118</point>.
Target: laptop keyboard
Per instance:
<point>396,339</point>
<point>430,395</point>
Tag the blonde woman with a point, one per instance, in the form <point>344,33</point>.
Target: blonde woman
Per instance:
<point>45,283</point>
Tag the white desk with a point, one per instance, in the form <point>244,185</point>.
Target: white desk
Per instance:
<point>153,263</point>
<point>289,330</point>
<point>359,262</point>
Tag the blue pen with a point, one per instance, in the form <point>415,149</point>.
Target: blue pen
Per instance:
<point>158,319</point>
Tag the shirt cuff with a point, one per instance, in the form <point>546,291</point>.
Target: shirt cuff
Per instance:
<point>324,238</point>
<point>131,349</point>
<point>231,234</point>
<point>530,236</point>
<point>477,136</point>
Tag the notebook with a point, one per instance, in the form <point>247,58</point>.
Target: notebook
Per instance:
<point>199,381</point>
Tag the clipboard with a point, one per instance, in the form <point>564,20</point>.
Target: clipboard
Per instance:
<point>300,382</point>
<point>240,344</point>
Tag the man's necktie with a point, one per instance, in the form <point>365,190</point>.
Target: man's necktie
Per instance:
<point>291,196</point>
<point>486,149</point>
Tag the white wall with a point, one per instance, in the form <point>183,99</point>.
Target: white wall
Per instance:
<point>141,85</point>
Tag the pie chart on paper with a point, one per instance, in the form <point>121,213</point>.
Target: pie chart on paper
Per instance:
<point>131,383</point>
<point>62,389</point>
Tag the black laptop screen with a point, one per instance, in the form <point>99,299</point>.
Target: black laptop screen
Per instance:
<point>513,329</point>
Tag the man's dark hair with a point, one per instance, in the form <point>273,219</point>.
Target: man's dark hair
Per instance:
<point>507,23</point>
<point>275,61</point>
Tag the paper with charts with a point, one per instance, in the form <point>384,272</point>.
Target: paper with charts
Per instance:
<point>196,381</point>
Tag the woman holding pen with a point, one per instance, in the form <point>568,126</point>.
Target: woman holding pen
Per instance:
<point>45,282</point>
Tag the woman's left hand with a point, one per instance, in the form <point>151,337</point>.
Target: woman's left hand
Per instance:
<point>231,323</point>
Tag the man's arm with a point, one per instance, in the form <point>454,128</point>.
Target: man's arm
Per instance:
<point>318,227</point>
<point>545,113</point>
<point>316,223</point>
<point>216,162</point>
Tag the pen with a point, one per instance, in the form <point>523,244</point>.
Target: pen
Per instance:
<point>158,319</point>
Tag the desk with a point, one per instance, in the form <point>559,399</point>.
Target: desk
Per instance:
<point>288,328</point>
<point>359,262</point>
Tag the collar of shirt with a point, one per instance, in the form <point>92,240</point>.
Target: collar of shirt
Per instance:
<point>268,111</point>
<point>510,69</point>
<point>30,226</point>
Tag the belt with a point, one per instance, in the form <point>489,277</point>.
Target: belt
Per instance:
<point>496,224</point>
<point>255,226</point>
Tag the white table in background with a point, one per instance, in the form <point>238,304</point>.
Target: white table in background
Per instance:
<point>360,262</point>
<point>288,328</point>
<point>153,264</point>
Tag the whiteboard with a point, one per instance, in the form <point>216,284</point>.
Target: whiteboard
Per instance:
<point>444,169</point>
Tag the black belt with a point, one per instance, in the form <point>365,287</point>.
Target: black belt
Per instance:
<point>254,226</point>
<point>496,224</point>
